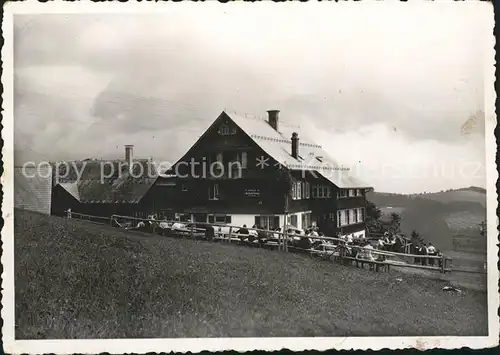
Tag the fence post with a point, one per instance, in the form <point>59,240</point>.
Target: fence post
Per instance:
<point>230,234</point>
<point>341,253</point>
<point>443,264</point>
<point>69,213</point>
<point>192,231</point>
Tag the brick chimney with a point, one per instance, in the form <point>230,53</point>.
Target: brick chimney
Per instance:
<point>273,118</point>
<point>129,154</point>
<point>295,145</point>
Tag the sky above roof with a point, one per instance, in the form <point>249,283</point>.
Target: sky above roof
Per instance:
<point>398,97</point>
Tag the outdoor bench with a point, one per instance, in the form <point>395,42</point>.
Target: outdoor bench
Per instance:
<point>374,264</point>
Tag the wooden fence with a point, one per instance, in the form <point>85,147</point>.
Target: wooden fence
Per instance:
<point>330,247</point>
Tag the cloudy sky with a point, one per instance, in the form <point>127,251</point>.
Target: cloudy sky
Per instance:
<point>399,96</point>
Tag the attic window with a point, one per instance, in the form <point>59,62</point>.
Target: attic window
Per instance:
<point>320,159</point>
<point>225,130</point>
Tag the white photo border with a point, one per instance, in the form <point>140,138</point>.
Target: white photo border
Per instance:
<point>11,345</point>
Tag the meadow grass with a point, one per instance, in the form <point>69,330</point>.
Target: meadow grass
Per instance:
<point>80,280</point>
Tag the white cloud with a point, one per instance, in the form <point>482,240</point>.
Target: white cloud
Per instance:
<point>391,162</point>
<point>107,80</point>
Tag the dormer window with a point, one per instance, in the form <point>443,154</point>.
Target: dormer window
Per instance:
<point>225,130</point>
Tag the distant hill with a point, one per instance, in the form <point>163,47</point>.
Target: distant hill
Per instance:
<point>469,194</point>
<point>437,216</point>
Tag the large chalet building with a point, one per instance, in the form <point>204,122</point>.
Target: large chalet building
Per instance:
<point>251,171</point>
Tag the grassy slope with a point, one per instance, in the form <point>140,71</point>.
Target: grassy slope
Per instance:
<point>90,281</point>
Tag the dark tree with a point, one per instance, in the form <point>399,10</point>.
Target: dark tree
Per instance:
<point>416,238</point>
<point>395,224</point>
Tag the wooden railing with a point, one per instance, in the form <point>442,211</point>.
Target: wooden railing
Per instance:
<point>87,217</point>
<point>280,240</point>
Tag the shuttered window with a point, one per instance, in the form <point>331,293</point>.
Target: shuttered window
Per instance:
<point>353,218</point>
<point>361,214</point>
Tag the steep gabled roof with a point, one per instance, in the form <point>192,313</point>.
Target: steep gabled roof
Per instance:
<point>33,188</point>
<point>106,181</point>
<point>312,157</point>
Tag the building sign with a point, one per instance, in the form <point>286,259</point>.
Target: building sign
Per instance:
<point>252,192</point>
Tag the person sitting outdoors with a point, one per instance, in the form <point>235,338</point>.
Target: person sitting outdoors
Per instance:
<point>417,252</point>
<point>424,252</point>
<point>386,238</point>
<point>440,261</point>
<point>365,252</point>
<point>262,236</point>
<point>253,234</point>
<point>314,233</point>
<point>349,239</point>
<point>380,244</point>
<point>209,232</point>
<point>431,250</point>
<point>243,233</point>
<point>368,251</point>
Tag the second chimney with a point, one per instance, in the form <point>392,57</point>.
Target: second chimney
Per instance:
<point>129,154</point>
<point>295,145</point>
<point>273,118</point>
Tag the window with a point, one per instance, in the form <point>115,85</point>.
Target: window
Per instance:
<point>242,159</point>
<point>299,190</point>
<point>351,192</point>
<point>353,216</point>
<point>332,216</point>
<point>308,190</point>
<point>225,130</point>
<point>322,191</point>
<point>361,214</point>
<point>344,218</point>
<point>339,217</point>
<point>294,191</point>
<point>293,220</point>
<point>343,193</point>
<point>213,192</point>
<point>184,187</point>
<point>267,222</point>
<point>222,219</point>
<point>306,220</point>
<point>359,192</point>
<point>219,218</point>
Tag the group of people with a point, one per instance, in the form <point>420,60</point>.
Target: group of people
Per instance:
<point>303,239</point>
<point>386,242</point>
<point>365,252</point>
<point>427,249</point>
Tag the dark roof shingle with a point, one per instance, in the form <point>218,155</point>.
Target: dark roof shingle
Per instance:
<point>312,157</point>
<point>106,181</point>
